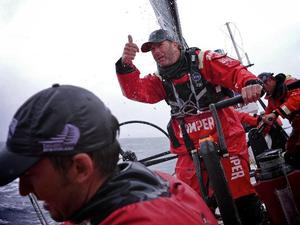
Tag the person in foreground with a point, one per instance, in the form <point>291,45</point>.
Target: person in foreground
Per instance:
<point>283,98</point>
<point>62,144</point>
<point>189,80</point>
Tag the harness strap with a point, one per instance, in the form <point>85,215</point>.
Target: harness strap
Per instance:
<point>187,141</point>
<point>201,93</point>
<point>178,100</point>
<point>294,85</point>
<point>172,135</point>
<point>194,92</point>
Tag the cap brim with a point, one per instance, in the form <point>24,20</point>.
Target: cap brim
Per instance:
<point>13,165</point>
<point>146,47</point>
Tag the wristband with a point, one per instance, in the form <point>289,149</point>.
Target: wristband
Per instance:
<point>275,113</point>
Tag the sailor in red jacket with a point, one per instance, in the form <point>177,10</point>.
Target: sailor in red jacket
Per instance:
<point>285,102</point>
<point>136,195</point>
<point>189,80</point>
<point>63,146</point>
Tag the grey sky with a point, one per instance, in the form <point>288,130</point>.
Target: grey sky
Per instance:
<point>78,41</point>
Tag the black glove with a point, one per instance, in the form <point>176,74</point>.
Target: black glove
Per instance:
<point>129,156</point>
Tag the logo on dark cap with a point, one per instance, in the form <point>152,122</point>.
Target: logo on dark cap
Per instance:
<point>65,141</point>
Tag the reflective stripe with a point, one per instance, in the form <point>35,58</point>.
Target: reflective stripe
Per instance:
<point>286,110</point>
<point>200,57</point>
<point>218,88</point>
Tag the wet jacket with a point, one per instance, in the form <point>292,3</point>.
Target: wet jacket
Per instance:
<point>287,105</point>
<point>136,195</point>
<point>217,70</point>
<point>251,120</point>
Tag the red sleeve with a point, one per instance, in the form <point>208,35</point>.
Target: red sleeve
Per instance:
<point>291,104</point>
<point>148,89</point>
<point>223,70</point>
<point>247,118</point>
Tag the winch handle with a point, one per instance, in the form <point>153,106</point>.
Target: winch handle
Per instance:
<point>229,102</point>
<point>219,105</point>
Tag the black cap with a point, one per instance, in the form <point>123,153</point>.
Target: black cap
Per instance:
<point>156,37</point>
<point>59,120</point>
<point>265,76</point>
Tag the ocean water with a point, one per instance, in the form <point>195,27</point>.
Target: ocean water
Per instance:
<point>17,210</point>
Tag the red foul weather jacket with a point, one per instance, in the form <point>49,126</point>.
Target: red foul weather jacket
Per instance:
<point>287,106</point>
<point>218,70</point>
<point>246,118</point>
<point>139,196</point>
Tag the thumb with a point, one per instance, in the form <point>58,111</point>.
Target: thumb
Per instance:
<point>130,38</point>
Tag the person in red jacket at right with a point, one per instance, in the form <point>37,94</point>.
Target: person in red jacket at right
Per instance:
<point>285,102</point>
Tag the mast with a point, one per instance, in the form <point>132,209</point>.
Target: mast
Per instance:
<point>236,47</point>
<point>233,42</point>
<point>251,107</point>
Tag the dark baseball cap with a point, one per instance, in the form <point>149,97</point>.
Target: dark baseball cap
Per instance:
<point>156,37</point>
<point>265,76</point>
<point>61,120</point>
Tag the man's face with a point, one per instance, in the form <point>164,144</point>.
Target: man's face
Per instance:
<point>165,53</point>
<point>56,190</point>
<point>269,86</point>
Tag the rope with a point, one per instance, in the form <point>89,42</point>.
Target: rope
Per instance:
<point>37,209</point>
<point>147,123</point>
<point>149,160</point>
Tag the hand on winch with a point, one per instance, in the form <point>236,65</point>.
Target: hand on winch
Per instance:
<point>269,118</point>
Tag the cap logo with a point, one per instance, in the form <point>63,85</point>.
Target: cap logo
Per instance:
<point>65,141</point>
<point>12,127</point>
